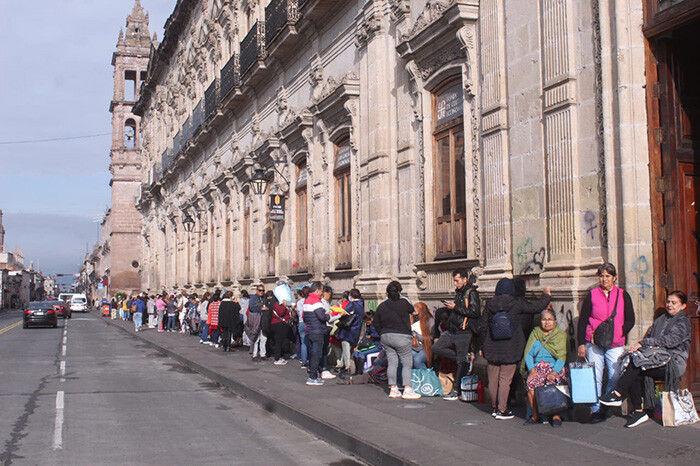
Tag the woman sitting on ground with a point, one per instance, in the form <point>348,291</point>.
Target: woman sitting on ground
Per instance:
<point>421,328</point>
<point>544,362</point>
<point>663,349</point>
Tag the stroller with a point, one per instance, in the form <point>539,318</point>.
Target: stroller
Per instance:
<point>190,324</point>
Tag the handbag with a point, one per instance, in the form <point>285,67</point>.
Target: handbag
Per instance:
<point>605,332</point>
<point>469,386</point>
<point>582,378</point>
<point>426,382</point>
<point>678,408</point>
<point>551,399</point>
<point>447,382</point>
<point>346,321</point>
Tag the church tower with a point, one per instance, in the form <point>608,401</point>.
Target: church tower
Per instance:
<point>130,62</point>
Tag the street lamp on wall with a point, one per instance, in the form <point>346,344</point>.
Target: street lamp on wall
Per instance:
<point>258,182</point>
<point>188,223</point>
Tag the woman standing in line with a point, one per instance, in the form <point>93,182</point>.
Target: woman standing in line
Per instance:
<point>504,354</point>
<point>350,336</point>
<point>213,318</point>
<point>393,322</point>
<point>203,318</point>
<point>171,310</point>
<point>229,320</point>
<point>599,305</point>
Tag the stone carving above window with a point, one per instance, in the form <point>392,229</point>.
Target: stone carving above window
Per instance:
<point>432,11</point>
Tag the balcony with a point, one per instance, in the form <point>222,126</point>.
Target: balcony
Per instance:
<point>177,147</point>
<point>211,99</point>
<point>280,18</point>
<point>187,131</point>
<point>166,159</point>
<point>253,50</point>
<point>317,10</point>
<point>197,116</point>
<point>230,79</point>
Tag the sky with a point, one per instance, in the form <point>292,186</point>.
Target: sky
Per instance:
<point>56,82</point>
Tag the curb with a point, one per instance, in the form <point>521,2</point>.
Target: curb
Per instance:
<point>330,433</point>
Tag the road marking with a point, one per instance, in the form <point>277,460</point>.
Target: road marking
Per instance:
<point>64,350</point>
<point>63,371</point>
<point>58,427</point>
<point>10,327</point>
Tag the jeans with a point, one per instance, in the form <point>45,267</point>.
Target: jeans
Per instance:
<point>171,322</point>
<point>398,347</point>
<point>316,343</point>
<point>215,334</point>
<point>600,358</point>
<point>326,348</point>
<point>160,319</point>
<point>204,334</point>
<point>461,342</point>
<point>138,319</point>
<point>345,357</point>
<point>280,334</point>
<point>302,344</point>
<point>420,360</point>
<point>260,345</point>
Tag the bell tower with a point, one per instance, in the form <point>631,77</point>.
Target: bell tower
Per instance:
<point>130,62</point>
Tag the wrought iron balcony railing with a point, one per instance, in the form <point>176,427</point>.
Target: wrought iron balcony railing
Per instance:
<point>197,116</point>
<point>230,76</point>
<point>166,159</point>
<point>211,98</point>
<point>278,15</point>
<point>177,145</point>
<point>253,46</point>
<point>187,130</point>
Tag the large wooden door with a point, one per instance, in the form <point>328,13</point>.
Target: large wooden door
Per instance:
<point>678,94</point>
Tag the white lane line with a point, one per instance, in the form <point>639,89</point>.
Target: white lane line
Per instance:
<point>63,371</point>
<point>65,339</point>
<point>64,350</point>
<point>58,427</point>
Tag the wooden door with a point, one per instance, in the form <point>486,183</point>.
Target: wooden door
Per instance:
<point>679,116</point>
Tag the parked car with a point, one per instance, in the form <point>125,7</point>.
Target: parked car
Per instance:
<point>78,303</point>
<point>40,313</point>
<point>62,309</point>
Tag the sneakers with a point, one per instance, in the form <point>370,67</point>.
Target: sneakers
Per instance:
<point>452,396</point>
<point>280,362</point>
<point>315,382</point>
<point>409,394</point>
<point>636,418</point>
<point>494,411</point>
<point>394,393</point>
<point>507,414</point>
<point>327,375</point>
<point>611,399</point>
<point>256,359</point>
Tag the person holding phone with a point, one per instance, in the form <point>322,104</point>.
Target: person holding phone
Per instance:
<point>462,314</point>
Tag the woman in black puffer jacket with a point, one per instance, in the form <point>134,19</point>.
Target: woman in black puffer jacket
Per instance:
<point>504,354</point>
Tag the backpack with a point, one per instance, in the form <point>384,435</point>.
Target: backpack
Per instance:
<point>501,326</point>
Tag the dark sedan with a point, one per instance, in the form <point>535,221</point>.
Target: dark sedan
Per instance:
<point>40,313</point>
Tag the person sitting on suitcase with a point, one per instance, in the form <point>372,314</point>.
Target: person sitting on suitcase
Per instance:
<point>544,362</point>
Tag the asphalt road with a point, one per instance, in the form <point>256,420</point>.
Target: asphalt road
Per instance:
<point>85,394</point>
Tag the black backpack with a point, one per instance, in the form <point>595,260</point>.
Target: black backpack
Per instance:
<point>501,326</point>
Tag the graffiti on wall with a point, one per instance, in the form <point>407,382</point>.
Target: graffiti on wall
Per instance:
<point>640,269</point>
<point>529,258</point>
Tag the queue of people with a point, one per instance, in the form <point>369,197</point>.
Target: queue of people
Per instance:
<point>386,345</point>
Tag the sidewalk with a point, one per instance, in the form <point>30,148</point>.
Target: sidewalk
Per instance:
<point>362,420</point>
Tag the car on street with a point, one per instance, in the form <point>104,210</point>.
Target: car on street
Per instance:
<point>78,303</point>
<point>40,313</point>
<point>62,308</point>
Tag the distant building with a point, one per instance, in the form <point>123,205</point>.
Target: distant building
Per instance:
<point>2,234</point>
<point>50,287</point>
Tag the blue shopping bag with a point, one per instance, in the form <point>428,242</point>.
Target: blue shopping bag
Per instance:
<point>426,382</point>
<point>583,387</point>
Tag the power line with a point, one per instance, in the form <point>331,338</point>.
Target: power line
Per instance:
<point>30,141</point>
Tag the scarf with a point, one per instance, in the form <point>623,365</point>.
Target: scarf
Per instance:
<point>556,345</point>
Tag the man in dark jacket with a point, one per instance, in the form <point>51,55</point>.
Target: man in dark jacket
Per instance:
<point>462,314</point>
<point>315,317</point>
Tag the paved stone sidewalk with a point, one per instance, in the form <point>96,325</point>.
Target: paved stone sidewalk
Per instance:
<point>362,420</point>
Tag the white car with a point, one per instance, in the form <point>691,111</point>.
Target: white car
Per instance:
<point>78,303</point>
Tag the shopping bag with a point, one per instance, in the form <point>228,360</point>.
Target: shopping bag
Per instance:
<point>469,386</point>
<point>282,292</point>
<point>447,382</point>
<point>426,382</point>
<point>551,399</point>
<point>583,387</point>
<point>678,408</point>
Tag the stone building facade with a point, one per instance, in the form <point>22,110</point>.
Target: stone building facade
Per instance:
<point>123,236</point>
<point>407,138</point>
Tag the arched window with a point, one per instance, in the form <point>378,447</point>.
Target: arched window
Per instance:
<point>130,134</point>
<point>449,163</point>
<point>343,224</point>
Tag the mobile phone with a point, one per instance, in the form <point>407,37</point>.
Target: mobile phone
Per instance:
<point>444,301</point>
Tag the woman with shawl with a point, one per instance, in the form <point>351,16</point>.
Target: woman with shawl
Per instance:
<point>544,361</point>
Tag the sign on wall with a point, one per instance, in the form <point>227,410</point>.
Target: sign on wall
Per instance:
<point>450,104</point>
<point>276,208</point>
